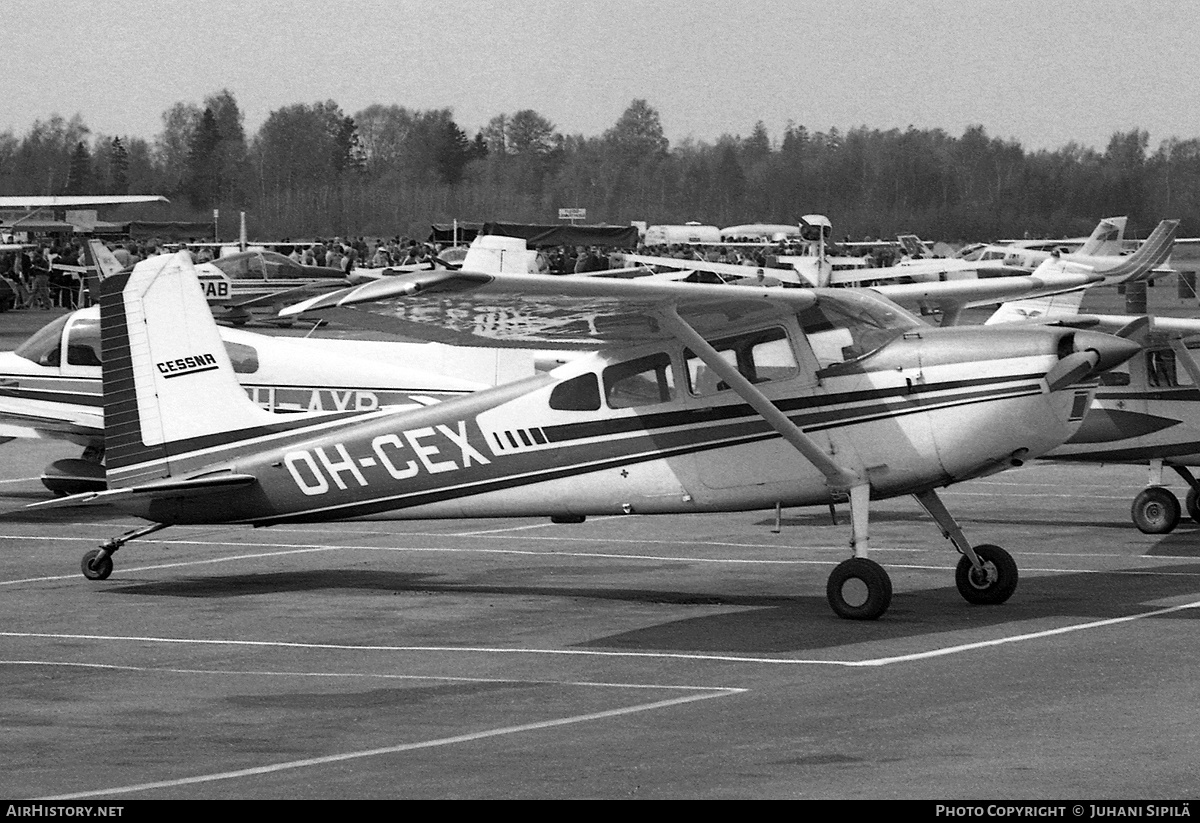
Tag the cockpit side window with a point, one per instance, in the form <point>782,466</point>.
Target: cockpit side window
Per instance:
<point>83,342</point>
<point>1162,370</point>
<point>759,356</point>
<point>641,382</point>
<point>45,347</point>
<point>243,357</point>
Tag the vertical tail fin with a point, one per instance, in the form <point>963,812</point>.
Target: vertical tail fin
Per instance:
<point>1105,238</point>
<point>101,264</point>
<point>912,245</point>
<point>169,386</point>
<point>1152,253</point>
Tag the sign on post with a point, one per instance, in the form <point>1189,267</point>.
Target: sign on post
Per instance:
<point>572,214</point>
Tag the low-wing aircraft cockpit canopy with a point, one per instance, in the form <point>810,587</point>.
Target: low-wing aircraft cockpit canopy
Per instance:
<point>268,265</point>
<point>82,341</point>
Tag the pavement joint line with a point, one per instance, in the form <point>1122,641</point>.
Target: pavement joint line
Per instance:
<point>402,747</point>
<point>285,549</point>
<point>372,675</point>
<point>205,561</point>
<point>483,532</point>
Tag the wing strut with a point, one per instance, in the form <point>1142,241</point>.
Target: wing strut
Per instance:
<point>837,476</point>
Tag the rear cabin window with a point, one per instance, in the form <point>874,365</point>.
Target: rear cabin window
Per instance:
<point>641,382</point>
<point>580,393</point>
<point>760,356</point>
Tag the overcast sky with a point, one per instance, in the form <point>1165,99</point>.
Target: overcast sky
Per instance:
<point>1044,73</point>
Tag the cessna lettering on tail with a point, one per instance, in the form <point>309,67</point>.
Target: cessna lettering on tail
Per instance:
<point>313,470</point>
<point>186,365</point>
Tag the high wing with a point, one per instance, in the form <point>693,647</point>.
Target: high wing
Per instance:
<point>568,311</point>
<point>56,201</point>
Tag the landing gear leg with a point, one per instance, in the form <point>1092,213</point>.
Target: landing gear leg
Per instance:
<point>1193,495</point>
<point>859,588</point>
<point>1156,508</point>
<point>986,574</point>
<point>97,564</point>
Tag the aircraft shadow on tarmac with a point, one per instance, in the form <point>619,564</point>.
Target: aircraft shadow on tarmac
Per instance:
<point>1119,520</point>
<point>767,624</point>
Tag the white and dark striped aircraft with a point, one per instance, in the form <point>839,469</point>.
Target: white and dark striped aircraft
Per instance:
<point>695,398</point>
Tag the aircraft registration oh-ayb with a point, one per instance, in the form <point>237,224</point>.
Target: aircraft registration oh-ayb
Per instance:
<point>695,399</point>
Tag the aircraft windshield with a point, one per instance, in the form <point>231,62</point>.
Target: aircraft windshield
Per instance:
<point>45,347</point>
<point>258,265</point>
<point>844,331</point>
<point>83,345</point>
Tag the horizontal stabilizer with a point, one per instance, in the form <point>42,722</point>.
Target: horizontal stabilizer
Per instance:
<point>167,488</point>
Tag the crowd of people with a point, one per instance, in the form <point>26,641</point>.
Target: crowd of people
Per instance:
<point>48,275</point>
<point>35,278</point>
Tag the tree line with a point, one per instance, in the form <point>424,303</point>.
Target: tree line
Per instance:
<point>311,170</point>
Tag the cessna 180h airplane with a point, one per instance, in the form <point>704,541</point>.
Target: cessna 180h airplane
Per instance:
<point>688,403</point>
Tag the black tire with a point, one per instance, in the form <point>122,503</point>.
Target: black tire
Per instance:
<point>1193,505</point>
<point>859,589</point>
<point>1155,510</point>
<point>994,584</point>
<point>93,570</point>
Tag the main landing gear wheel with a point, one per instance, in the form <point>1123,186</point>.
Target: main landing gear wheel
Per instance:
<point>1156,510</point>
<point>859,589</point>
<point>1193,505</point>
<point>93,569</point>
<point>992,584</point>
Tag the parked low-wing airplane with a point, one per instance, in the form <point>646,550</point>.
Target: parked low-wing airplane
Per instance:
<point>950,295</point>
<point>1146,411</point>
<point>681,408</point>
<point>1106,240</point>
<point>51,385</point>
<point>238,284</point>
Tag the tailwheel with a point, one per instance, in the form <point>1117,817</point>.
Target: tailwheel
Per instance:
<point>96,569</point>
<point>993,583</point>
<point>1156,510</point>
<point>1193,505</point>
<point>859,589</point>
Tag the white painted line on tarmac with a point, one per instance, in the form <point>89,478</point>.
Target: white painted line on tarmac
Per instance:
<point>881,661</point>
<point>403,747</point>
<point>1020,638</point>
<point>20,480</point>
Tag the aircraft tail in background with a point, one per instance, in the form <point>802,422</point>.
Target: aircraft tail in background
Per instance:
<point>1105,239</point>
